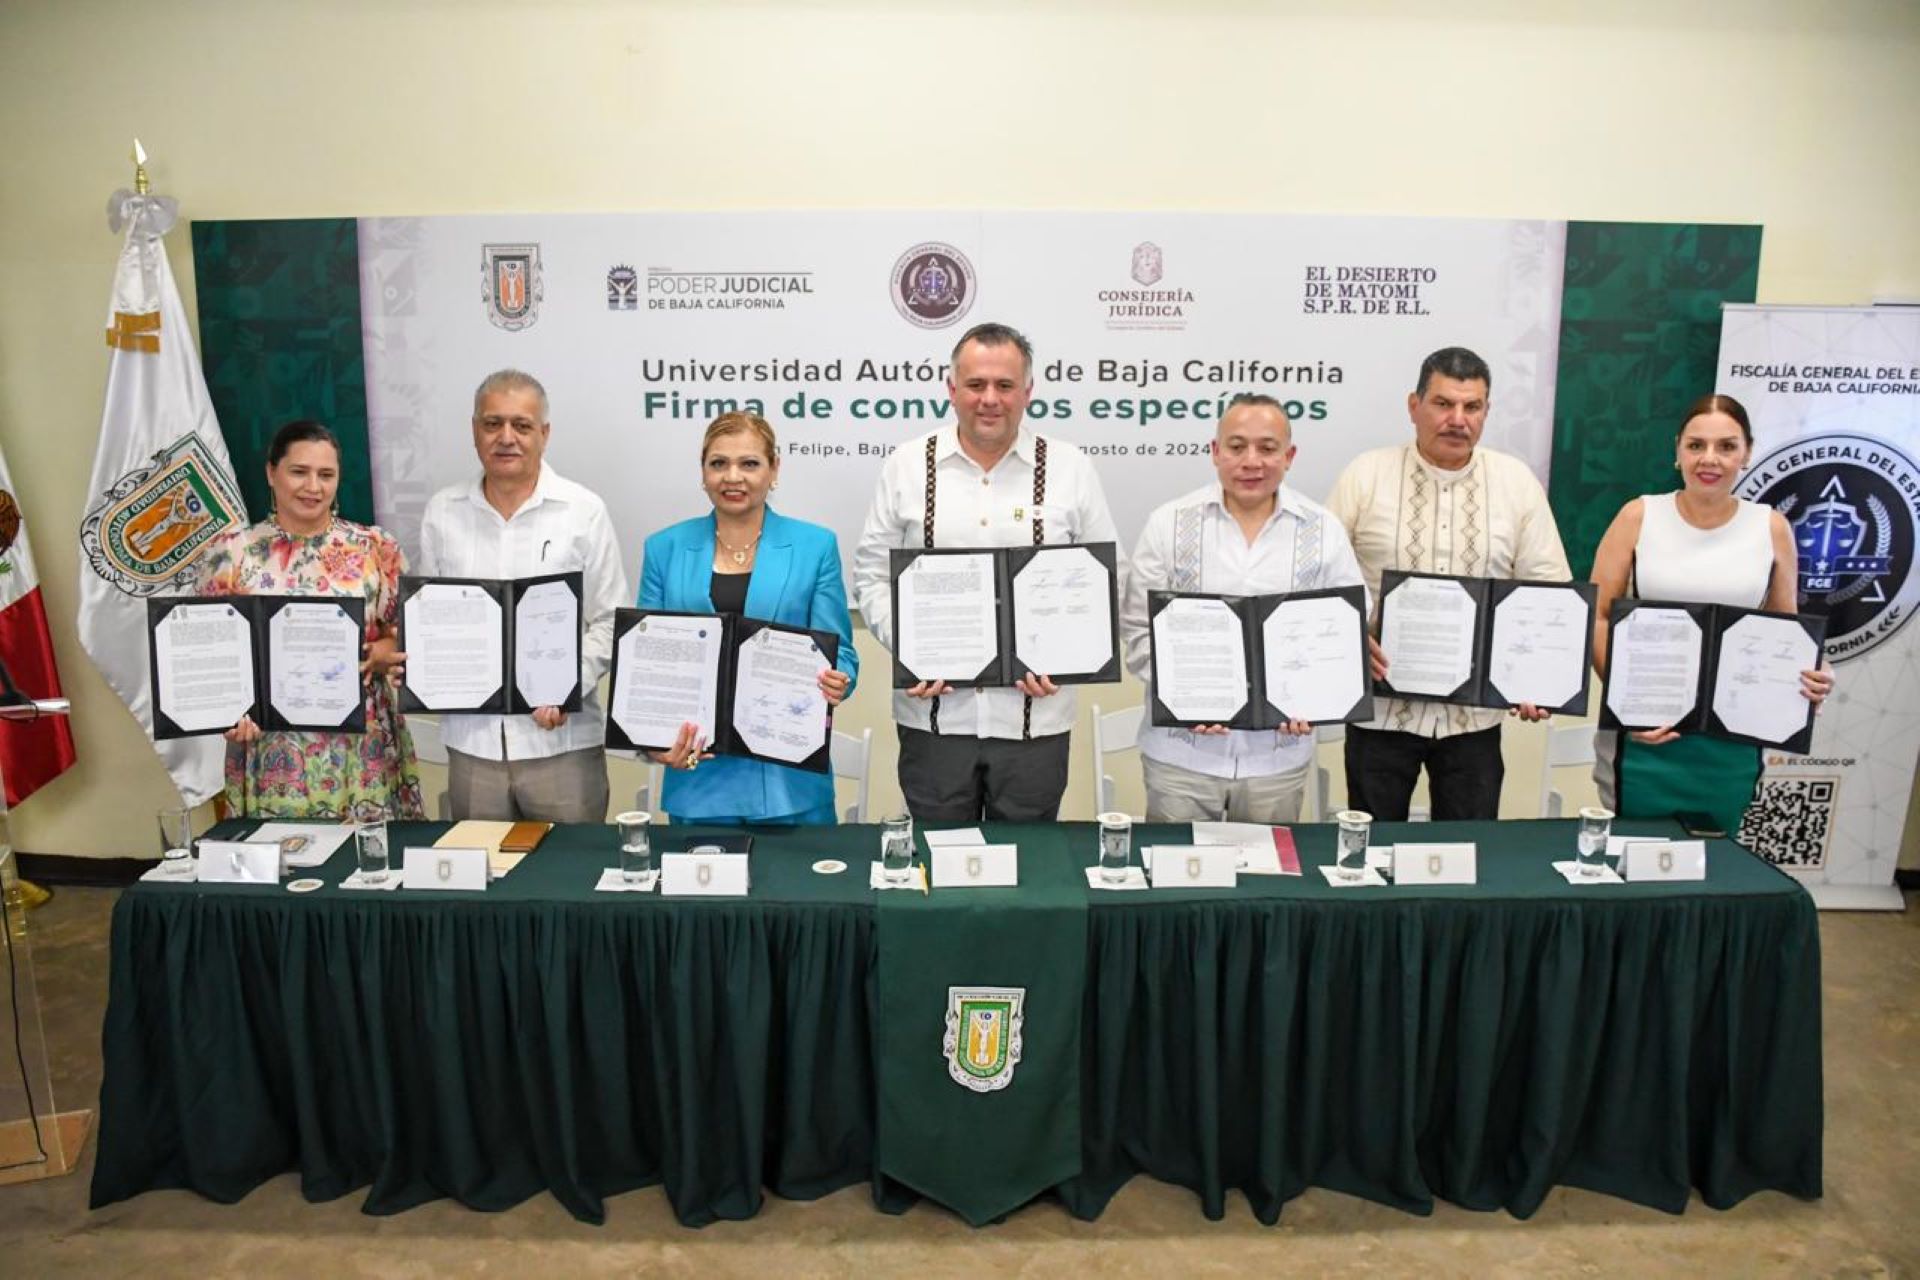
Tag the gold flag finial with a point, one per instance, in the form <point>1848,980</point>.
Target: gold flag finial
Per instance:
<point>140,184</point>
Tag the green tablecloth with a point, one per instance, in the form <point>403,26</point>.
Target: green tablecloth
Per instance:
<point>1478,1044</point>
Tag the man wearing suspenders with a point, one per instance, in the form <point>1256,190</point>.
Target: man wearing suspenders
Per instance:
<point>986,481</point>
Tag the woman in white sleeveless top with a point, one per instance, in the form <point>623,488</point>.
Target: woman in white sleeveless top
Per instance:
<point>1701,545</point>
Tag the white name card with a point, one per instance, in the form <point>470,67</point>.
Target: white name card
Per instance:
<point>1434,864</point>
<point>236,862</point>
<point>436,868</point>
<point>975,866</point>
<point>1664,859</point>
<point>703,875</point>
<point>1194,866</point>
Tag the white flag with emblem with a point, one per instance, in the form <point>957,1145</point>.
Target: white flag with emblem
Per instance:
<point>162,486</point>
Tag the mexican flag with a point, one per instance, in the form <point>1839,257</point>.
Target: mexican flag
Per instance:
<point>32,752</point>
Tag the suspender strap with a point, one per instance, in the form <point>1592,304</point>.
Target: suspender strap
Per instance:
<point>926,536</point>
<point>1039,538</point>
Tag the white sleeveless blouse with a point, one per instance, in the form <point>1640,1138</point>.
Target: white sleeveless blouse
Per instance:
<point>1729,565</point>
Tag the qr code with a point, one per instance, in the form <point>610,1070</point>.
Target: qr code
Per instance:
<point>1790,820</point>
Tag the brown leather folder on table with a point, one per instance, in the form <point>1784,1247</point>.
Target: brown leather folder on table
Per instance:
<point>505,842</point>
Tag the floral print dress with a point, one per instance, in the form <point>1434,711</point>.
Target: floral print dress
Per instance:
<point>320,775</point>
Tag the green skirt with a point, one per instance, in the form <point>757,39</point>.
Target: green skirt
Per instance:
<point>1695,772</point>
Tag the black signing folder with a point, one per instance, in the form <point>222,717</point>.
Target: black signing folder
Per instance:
<point>288,662</point>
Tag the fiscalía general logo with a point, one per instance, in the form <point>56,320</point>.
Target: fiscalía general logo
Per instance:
<point>982,1043</point>
<point>510,284</point>
<point>623,289</point>
<point>933,284</point>
<point>1854,504</point>
<point>156,519</point>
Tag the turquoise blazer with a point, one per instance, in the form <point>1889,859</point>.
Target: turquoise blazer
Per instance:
<point>796,580</point>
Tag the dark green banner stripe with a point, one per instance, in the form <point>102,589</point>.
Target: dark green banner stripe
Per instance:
<point>280,339</point>
<point>1639,339</point>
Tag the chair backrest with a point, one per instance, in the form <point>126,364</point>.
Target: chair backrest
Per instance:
<point>853,758</point>
<point>1113,732</point>
<point>643,795</point>
<point>1566,747</point>
<point>427,744</point>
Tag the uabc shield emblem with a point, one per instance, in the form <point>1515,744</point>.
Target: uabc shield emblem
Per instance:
<point>1854,504</point>
<point>983,1038</point>
<point>510,284</point>
<point>153,523</point>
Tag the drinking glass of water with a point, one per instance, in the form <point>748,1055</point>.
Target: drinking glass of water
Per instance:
<point>370,847</point>
<point>1596,825</point>
<point>636,845</point>
<point>1116,846</point>
<point>176,841</point>
<point>896,848</point>
<point>1356,828</point>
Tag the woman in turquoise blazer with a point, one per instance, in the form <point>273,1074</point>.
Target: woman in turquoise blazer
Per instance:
<point>749,559</point>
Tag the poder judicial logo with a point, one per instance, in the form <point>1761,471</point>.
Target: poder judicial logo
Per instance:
<point>154,521</point>
<point>510,284</point>
<point>983,1037</point>
<point>623,288</point>
<point>933,284</point>
<point>1853,502</point>
<point>670,289</point>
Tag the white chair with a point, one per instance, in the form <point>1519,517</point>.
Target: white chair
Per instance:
<point>643,796</point>
<point>1572,745</point>
<point>853,758</point>
<point>850,757</point>
<point>1113,732</point>
<point>1317,804</point>
<point>431,749</point>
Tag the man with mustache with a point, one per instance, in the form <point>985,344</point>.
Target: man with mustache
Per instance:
<point>1441,505</point>
<point>520,519</point>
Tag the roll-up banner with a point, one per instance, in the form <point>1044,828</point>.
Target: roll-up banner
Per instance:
<point>1834,395</point>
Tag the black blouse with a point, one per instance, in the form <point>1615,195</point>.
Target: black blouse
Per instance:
<point>729,592</point>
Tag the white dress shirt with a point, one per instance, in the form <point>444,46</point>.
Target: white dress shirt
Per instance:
<point>1300,548</point>
<point>560,528</point>
<point>1489,519</point>
<point>975,508</point>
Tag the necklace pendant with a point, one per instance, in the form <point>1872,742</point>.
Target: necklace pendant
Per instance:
<point>739,557</point>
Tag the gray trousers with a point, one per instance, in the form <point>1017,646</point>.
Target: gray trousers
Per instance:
<point>569,787</point>
<point>1175,794</point>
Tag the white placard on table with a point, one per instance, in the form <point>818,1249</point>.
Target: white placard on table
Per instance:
<point>1434,864</point>
<point>704,875</point>
<point>237,862</point>
<point>1192,866</point>
<point>1661,859</point>
<point>437,868</point>
<point>975,866</point>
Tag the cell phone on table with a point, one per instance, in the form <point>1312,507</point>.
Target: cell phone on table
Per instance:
<point>1701,826</point>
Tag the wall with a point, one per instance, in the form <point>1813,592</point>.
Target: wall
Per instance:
<point>1790,115</point>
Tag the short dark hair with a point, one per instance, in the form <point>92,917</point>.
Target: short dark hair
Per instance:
<point>299,431</point>
<point>1718,404</point>
<point>1258,401</point>
<point>1457,363</point>
<point>994,334</point>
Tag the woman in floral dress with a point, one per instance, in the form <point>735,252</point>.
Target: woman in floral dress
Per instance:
<point>303,549</point>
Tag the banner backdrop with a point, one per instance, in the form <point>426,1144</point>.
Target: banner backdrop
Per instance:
<point>838,326</point>
<point>1834,394</point>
